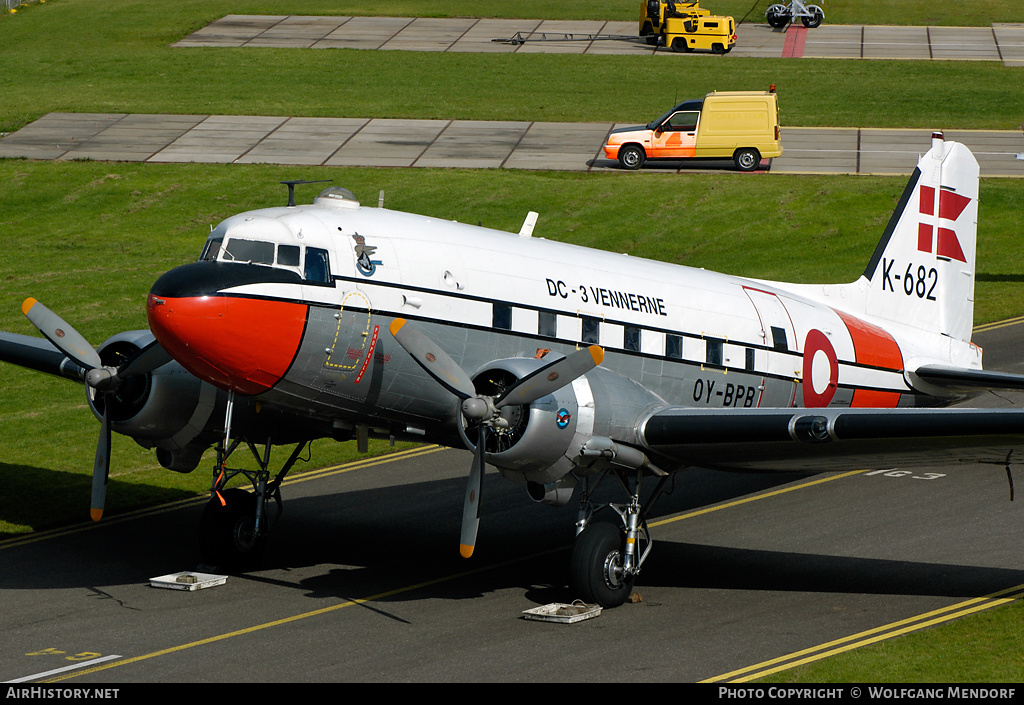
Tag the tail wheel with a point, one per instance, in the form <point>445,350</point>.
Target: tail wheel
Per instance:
<point>632,157</point>
<point>596,574</point>
<point>747,159</point>
<point>227,531</point>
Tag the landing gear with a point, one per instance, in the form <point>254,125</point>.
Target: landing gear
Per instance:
<point>235,525</point>
<point>606,558</point>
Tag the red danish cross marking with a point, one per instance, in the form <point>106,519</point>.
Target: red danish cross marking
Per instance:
<point>946,243</point>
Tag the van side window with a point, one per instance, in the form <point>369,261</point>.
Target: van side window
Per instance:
<point>683,122</point>
<point>318,268</point>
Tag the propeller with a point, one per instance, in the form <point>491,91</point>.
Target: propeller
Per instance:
<point>104,379</point>
<point>486,410</point>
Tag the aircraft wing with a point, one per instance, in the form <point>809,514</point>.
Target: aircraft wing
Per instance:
<point>38,354</point>
<point>955,379</point>
<point>833,439</point>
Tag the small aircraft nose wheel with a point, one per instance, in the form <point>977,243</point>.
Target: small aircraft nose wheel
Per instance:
<point>597,575</point>
<point>228,536</point>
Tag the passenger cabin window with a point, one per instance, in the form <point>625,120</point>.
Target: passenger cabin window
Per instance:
<point>631,338</point>
<point>779,338</point>
<point>714,352</point>
<point>547,323</point>
<point>591,328</point>
<point>674,346</point>
<point>317,268</point>
<point>501,317</point>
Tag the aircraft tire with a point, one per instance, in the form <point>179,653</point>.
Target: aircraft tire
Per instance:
<point>596,553</point>
<point>226,532</point>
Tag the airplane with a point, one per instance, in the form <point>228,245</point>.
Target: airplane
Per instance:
<point>561,366</point>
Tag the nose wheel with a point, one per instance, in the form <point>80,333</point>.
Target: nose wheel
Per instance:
<point>235,526</point>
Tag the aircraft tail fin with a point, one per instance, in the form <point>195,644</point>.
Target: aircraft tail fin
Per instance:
<point>922,271</point>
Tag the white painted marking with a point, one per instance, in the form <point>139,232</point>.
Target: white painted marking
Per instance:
<point>83,664</point>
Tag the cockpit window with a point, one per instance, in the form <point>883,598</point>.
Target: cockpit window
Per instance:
<point>288,255</point>
<point>317,267</point>
<point>253,251</point>
<point>211,249</point>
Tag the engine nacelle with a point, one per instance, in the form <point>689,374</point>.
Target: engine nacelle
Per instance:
<point>544,439</point>
<point>168,408</point>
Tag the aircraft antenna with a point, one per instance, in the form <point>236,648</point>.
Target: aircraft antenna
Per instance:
<point>291,187</point>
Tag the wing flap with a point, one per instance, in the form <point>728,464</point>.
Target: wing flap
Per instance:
<point>832,440</point>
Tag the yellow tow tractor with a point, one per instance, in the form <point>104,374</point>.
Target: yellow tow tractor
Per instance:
<point>685,26</point>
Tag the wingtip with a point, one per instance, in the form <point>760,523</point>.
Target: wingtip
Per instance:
<point>27,304</point>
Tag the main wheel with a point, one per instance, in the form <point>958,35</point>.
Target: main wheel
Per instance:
<point>596,566</point>
<point>227,532</point>
<point>777,16</point>
<point>817,15</point>
<point>632,156</point>
<point>747,159</point>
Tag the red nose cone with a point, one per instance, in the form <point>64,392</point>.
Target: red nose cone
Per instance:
<point>240,344</point>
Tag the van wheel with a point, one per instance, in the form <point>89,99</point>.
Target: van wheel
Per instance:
<point>817,15</point>
<point>747,159</point>
<point>632,157</point>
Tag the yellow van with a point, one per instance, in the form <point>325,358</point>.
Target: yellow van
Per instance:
<point>739,125</point>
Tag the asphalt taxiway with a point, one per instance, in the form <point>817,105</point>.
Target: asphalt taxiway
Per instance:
<point>363,581</point>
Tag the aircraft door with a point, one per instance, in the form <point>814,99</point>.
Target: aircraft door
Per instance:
<point>780,343</point>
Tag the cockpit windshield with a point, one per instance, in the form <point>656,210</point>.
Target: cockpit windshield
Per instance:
<point>311,263</point>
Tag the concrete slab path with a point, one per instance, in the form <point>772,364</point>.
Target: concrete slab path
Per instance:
<point>999,42</point>
<point>464,144</point>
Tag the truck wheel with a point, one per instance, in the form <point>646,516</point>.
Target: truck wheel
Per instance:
<point>632,157</point>
<point>817,15</point>
<point>747,159</point>
<point>717,48</point>
<point>679,45</point>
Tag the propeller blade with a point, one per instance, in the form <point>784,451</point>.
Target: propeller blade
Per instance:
<point>471,506</point>
<point>63,336</point>
<point>101,468</point>
<point>146,360</point>
<point>551,378</point>
<point>433,359</point>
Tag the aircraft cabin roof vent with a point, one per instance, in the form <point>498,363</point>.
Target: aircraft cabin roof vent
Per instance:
<point>337,197</point>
